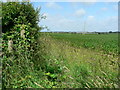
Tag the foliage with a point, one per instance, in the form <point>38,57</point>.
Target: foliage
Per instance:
<point>16,64</point>
<point>26,66</point>
<point>19,13</point>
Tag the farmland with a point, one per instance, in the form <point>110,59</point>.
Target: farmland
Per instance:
<point>86,60</point>
<point>34,59</point>
<point>103,42</point>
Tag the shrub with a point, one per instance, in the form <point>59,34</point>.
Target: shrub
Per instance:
<point>18,64</point>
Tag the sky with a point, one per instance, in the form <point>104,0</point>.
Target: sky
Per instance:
<point>79,16</point>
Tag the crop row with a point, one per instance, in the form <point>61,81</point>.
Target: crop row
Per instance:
<point>108,43</point>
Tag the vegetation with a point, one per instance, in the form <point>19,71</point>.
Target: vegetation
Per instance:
<point>19,44</point>
<point>102,42</point>
<point>82,67</point>
<point>42,60</point>
<point>14,13</point>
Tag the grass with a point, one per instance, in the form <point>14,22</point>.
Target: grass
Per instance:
<point>81,67</point>
<point>59,63</point>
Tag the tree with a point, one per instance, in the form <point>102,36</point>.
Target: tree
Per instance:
<point>110,31</point>
<point>19,13</point>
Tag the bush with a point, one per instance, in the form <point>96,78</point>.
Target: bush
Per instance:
<point>18,65</point>
<point>19,13</point>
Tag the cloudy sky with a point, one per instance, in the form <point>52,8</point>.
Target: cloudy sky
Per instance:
<point>79,16</point>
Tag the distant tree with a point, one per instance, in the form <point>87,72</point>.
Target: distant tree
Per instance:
<point>110,31</point>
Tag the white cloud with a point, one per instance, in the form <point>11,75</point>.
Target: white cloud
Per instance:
<point>78,4</point>
<point>105,24</point>
<point>75,4</point>
<point>53,5</point>
<point>89,3</point>
<point>80,13</point>
<point>115,7</point>
<point>63,23</point>
<point>104,8</point>
<point>90,17</point>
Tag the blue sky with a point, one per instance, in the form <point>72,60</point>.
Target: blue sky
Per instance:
<point>75,16</point>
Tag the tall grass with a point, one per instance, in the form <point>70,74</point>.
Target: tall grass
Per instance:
<point>29,68</point>
<point>56,64</point>
<point>82,68</point>
<point>19,70</point>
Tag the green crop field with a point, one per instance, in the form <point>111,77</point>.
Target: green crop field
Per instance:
<point>100,42</point>
<point>87,60</point>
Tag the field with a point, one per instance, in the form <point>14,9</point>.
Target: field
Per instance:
<point>34,59</point>
<point>86,60</point>
<point>63,60</point>
<point>102,42</point>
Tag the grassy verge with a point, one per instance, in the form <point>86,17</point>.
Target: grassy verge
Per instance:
<point>81,67</point>
<point>57,64</point>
